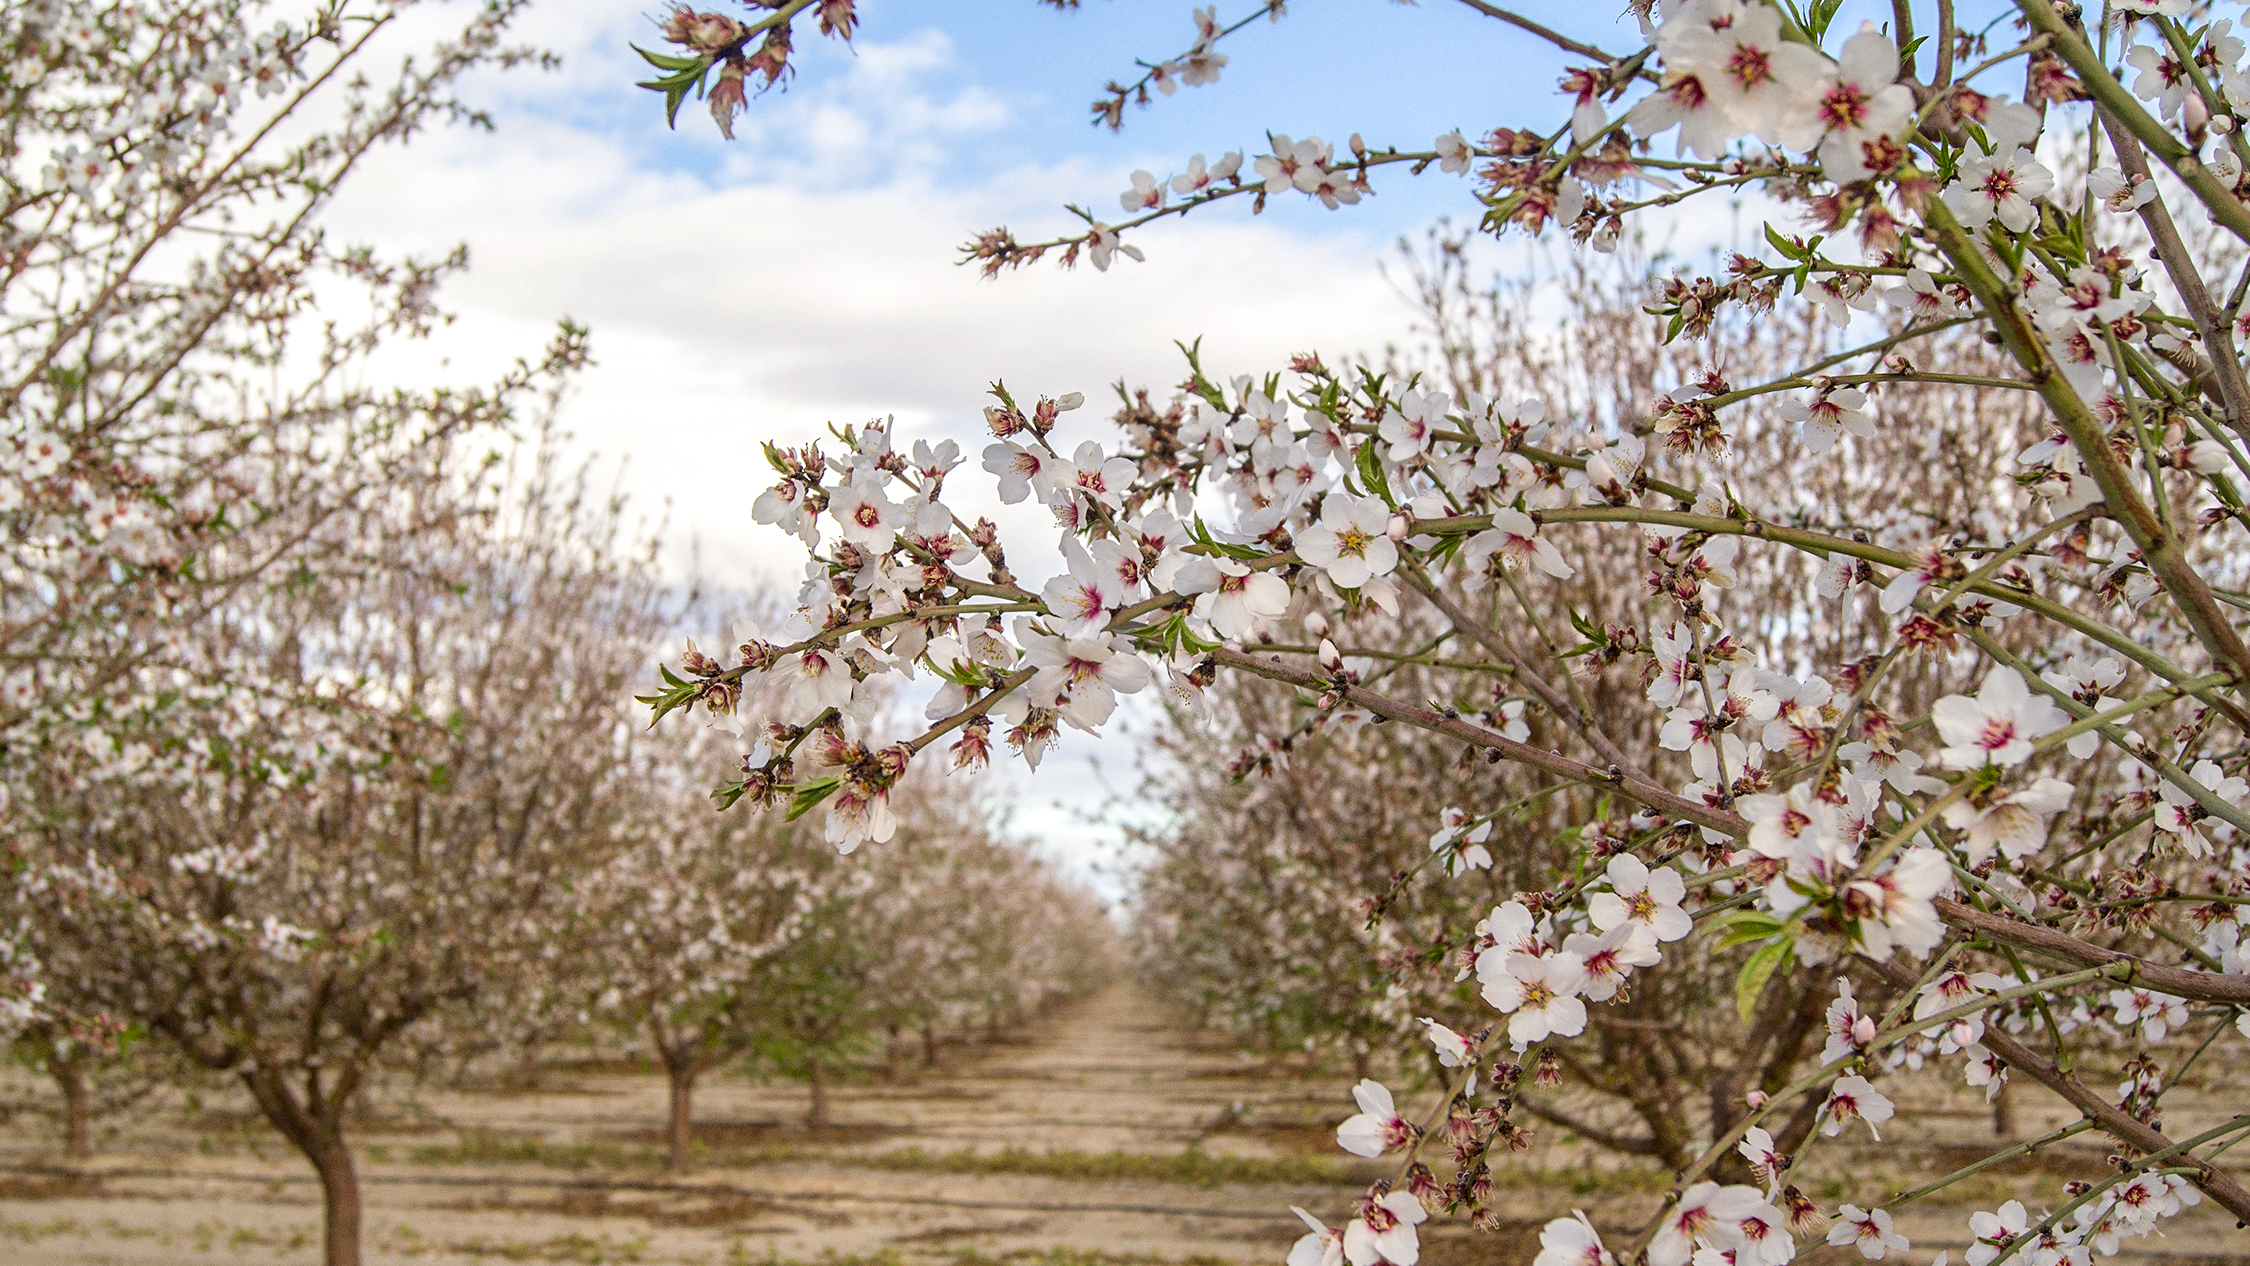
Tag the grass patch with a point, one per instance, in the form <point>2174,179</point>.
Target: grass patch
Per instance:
<point>1193,1167</point>
<point>574,1248</point>
<point>500,1147</point>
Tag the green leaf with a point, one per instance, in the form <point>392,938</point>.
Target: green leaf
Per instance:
<point>1750,985</point>
<point>666,61</point>
<point>1201,535</point>
<point>1788,248</point>
<point>810,794</point>
<point>1823,13</point>
<point>1744,926</point>
<point>679,696</point>
<point>1371,474</point>
<point>676,87</point>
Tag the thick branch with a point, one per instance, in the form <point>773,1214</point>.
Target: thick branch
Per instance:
<point>2180,982</point>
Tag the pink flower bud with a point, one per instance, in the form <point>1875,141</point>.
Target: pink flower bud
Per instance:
<point>1397,529</point>
<point>1756,1098</point>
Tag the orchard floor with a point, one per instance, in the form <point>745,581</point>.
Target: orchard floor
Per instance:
<point>1106,1133</point>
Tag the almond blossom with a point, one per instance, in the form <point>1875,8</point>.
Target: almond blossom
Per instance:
<point>1025,471</point>
<point>1863,108</point>
<point>1320,1245</point>
<point>1645,900</point>
<point>1384,1230</point>
<point>1996,1231</point>
<point>1453,1050</point>
<point>1829,415</point>
<point>2003,187</point>
<point>1611,957</point>
<point>1996,726</point>
<point>1232,599</point>
<point>1868,1231</point>
<point>1538,994</point>
<point>2156,1013</point>
<point>1572,1241</point>
<point>1514,539</point>
<point>1147,193</point>
<point>869,519</point>
<point>2015,822</point>
<point>1721,585</point>
<point>1706,1215</point>
<point>1852,1098</point>
<point>1082,600</point>
<point>1377,1127</point>
<point>1199,177</point>
<point>1351,542</point>
<point>2178,814</point>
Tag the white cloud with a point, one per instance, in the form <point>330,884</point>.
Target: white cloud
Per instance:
<point>754,307</point>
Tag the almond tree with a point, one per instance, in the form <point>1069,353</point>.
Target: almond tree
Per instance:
<point>2010,852</point>
<point>181,415</point>
<point>357,810</point>
<point>687,920</point>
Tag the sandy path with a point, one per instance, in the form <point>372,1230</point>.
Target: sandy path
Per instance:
<point>1112,1074</point>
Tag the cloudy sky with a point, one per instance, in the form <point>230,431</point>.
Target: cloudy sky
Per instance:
<point>803,273</point>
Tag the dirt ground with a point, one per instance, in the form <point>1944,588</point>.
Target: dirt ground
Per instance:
<point>1105,1133</point>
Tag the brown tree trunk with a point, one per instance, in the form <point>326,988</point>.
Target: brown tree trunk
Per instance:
<point>929,1045</point>
<point>70,1074</point>
<point>677,1135</point>
<point>891,1055</point>
<point>316,1128</point>
<point>339,1202</point>
<point>2004,1112</point>
<point>816,1076</point>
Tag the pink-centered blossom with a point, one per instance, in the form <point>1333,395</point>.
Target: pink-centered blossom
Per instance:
<point>1998,725</point>
<point>1377,1127</point>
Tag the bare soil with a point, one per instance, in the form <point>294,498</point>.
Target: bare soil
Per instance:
<point>1106,1132</point>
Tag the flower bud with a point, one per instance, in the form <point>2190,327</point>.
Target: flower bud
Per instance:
<point>2194,114</point>
<point>1316,624</point>
<point>1397,528</point>
<point>2222,123</point>
<point>1756,1099</point>
<point>1422,1183</point>
<point>1330,659</point>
